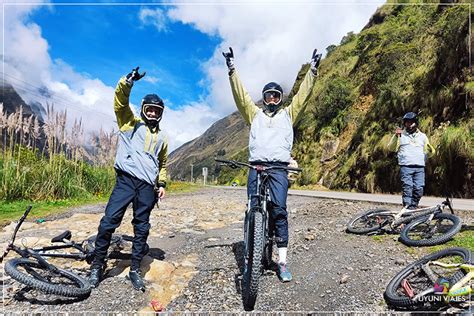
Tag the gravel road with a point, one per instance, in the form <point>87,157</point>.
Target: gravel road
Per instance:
<point>195,261</point>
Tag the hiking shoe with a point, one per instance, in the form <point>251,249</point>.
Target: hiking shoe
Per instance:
<point>137,280</point>
<point>95,276</point>
<point>283,273</point>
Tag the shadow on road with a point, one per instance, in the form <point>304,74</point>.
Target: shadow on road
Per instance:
<point>25,295</point>
<point>238,250</point>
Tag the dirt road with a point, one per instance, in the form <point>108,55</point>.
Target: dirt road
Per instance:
<point>196,259</point>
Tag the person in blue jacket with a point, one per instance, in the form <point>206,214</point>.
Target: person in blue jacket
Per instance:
<point>140,165</point>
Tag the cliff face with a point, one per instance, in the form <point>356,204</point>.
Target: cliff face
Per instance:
<point>407,58</point>
<point>13,105</point>
<point>12,102</point>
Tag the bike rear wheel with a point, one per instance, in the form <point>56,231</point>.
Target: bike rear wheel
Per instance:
<point>413,276</point>
<point>370,221</point>
<point>425,232</point>
<point>59,282</point>
<point>253,266</point>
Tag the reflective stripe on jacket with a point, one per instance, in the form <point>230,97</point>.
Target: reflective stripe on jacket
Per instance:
<point>271,137</point>
<point>142,152</point>
<point>413,149</point>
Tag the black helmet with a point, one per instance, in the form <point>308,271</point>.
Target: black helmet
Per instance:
<point>410,116</point>
<point>155,101</point>
<point>272,90</point>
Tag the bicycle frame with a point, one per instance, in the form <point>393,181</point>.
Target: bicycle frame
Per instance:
<point>460,288</point>
<point>26,252</point>
<point>82,255</point>
<point>261,195</point>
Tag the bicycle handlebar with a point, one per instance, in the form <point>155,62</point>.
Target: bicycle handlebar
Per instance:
<point>22,219</point>
<point>236,164</point>
<point>15,231</point>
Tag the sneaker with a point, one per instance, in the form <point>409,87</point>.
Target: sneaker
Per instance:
<point>283,273</point>
<point>95,276</point>
<point>137,280</point>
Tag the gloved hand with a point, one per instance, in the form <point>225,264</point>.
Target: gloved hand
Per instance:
<point>315,60</point>
<point>229,60</point>
<point>134,75</point>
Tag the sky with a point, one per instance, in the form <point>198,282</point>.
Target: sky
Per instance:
<point>73,54</point>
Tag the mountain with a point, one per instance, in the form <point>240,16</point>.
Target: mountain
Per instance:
<point>407,58</point>
<point>224,138</point>
<point>12,101</point>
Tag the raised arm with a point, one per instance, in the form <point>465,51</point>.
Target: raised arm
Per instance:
<point>428,149</point>
<point>245,105</point>
<point>299,101</point>
<point>122,98</point>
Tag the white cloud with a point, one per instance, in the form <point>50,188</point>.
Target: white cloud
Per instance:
<point>271,39</point>
<point>156,17</point>
<point>187,123</point>
<point>30,69</point>
<point>151,79</point>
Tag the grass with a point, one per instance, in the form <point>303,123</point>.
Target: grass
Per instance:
<point>464,239</point>
<point>13,210</point>
<point>182,187</point>
<point>10,211</point>
<point>381,238</point>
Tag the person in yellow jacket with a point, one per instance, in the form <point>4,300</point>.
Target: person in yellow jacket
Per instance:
<point>412,147</point>
<point>270,143</point>
<point>140,165</point>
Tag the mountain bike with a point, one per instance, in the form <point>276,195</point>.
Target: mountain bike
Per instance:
<point>258,239</point>
<point>435,281</point>
<point>420,227</point>
<point>33,270</point>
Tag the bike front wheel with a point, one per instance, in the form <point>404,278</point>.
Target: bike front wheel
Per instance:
<point>253,264</point>
<point>426,232</point>
<point>370,221</point>
<point>414,279</point>
<point>58,282</point>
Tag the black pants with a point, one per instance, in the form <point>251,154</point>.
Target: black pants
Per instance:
<point>141,194</point>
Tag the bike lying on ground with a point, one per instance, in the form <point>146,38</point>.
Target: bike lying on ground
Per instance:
<point>421,227</point>
<point>258,239</point>
<point>436,281</point>
<point>33,270</point>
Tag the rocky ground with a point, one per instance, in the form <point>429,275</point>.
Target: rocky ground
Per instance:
<point>195,260</point>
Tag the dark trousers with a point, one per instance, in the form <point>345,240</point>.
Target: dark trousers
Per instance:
<point>278,184</point>
<point>141,194</point>
<point>413,182</point>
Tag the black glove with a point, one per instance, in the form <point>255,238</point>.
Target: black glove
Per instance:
<point>229,60</point>
<point>315,60</point>
<point>135,75</point>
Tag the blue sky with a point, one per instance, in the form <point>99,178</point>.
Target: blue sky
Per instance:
<point>110,41</point>
<point>78,53</point>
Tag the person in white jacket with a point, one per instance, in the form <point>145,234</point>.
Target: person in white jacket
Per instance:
<point>270,143</point>
<point>412,147</point>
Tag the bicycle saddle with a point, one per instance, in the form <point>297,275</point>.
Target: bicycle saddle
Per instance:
<point>64,235</point>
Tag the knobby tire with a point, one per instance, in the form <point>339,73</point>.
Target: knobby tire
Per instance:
<point>32,274</point>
